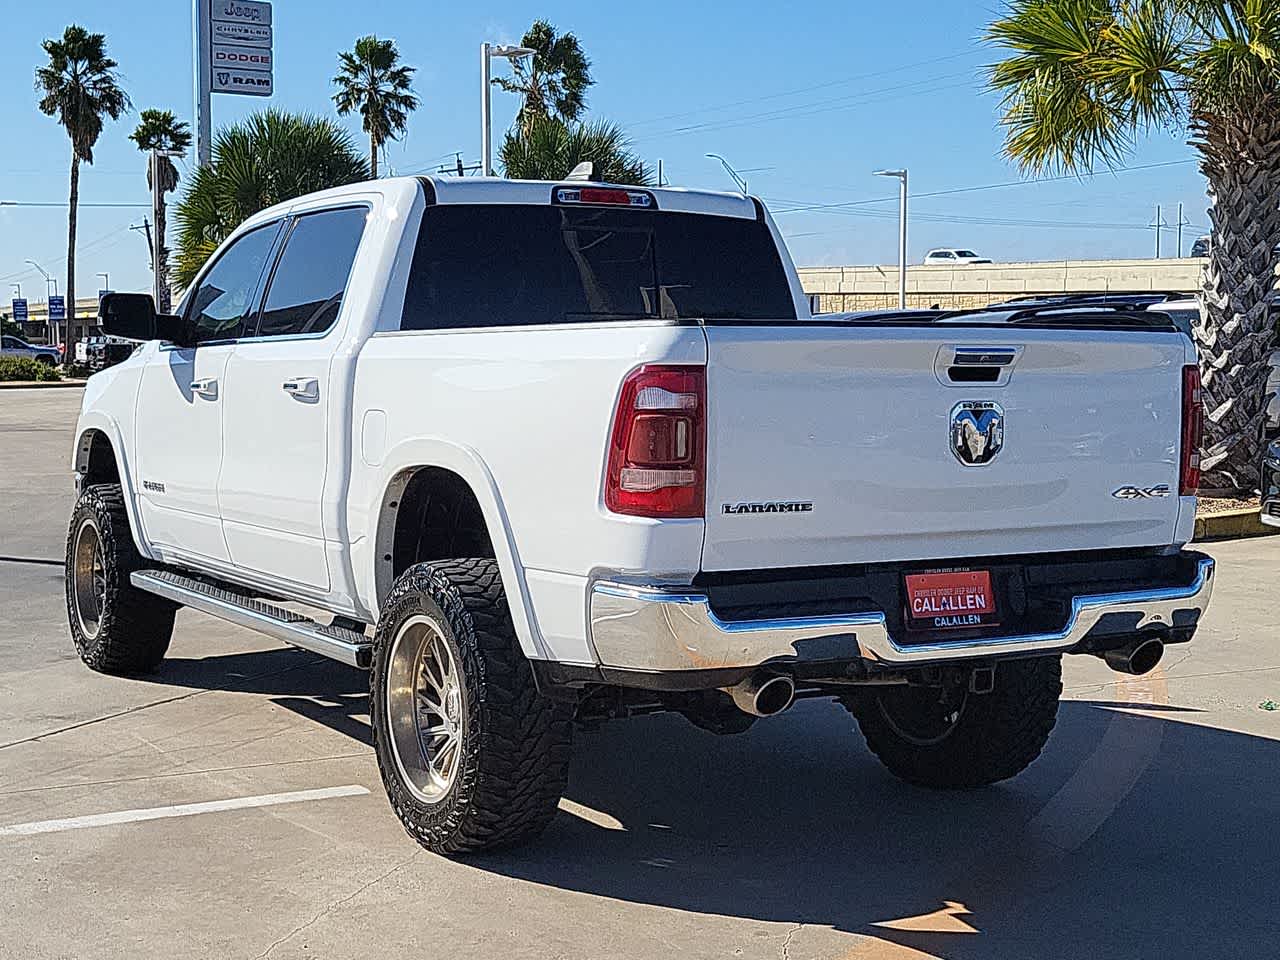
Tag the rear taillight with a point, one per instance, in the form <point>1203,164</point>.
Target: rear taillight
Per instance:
<point>657,454</point>
<point>1192,430</point>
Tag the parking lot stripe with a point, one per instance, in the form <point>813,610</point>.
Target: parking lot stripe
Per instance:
<point>178,810</point>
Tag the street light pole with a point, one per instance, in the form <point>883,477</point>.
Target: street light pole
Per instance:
<point>486,121</point>
<point>487,52</point>
<point>901,176</point>
<point>740,181</point>
<point>53,324</point>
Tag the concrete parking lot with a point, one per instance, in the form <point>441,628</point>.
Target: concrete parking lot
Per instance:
<point>1150,827</point>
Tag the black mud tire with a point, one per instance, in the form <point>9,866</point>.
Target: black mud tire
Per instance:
<point>129,631</point>
<point>515,748</point>
<point>996,736</point>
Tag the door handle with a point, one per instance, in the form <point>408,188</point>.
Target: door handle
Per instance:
<point>303,388</point>
<point>207,388</point>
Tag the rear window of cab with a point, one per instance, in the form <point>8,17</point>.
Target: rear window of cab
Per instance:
<point>488,265</point>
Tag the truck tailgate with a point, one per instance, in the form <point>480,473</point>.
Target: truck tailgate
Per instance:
<point>832,444</point>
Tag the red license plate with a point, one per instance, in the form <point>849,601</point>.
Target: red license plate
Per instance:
<point>950,600</point>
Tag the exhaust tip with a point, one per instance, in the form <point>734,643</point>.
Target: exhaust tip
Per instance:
<point>774,696</point>
<point>763,695</point>
<point>1136,660</point>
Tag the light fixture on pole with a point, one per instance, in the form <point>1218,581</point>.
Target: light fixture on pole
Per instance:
<point>901,176</point>
<point>487,52</point>
<point>17,289</point>
<point>742,184</point>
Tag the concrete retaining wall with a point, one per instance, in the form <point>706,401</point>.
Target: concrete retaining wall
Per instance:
<point>876,287</point>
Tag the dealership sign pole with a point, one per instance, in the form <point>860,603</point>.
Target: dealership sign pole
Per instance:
<point>233,54</point>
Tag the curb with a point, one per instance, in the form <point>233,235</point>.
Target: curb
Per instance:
<point>1232,525</point>
<point>40,384</point>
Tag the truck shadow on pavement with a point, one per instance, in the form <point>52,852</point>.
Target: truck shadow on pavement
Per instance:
<point>1135,835</point>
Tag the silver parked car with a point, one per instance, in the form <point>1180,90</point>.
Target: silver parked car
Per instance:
<point>17,347</point>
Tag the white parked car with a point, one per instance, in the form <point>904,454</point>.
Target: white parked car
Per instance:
<point>557,452</point>
<point>17,347</point>
<point>953,256</point>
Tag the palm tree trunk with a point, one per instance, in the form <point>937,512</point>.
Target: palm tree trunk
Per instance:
<point>163,266</point>
<point>373,156</point>
<point>1240,157</point>
<point>71,328</point>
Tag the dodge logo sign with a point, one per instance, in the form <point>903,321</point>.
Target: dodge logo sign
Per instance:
<point>977,431</point>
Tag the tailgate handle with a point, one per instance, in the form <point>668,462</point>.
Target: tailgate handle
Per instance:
<point>981,364</point>
<point>985,356</point>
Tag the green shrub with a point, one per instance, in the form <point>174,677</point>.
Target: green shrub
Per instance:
<point>26,368</point>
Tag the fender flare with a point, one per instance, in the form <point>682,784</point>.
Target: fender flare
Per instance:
<point>399,464</point>
<point>96,420</point>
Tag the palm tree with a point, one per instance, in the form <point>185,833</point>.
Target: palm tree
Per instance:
<point>555,83</point>
<point>549,150</point>
<point>160,130</point>
<point>370,81</point>
<point>1083,79</point>
<point>79,87</point>
<point>267,158</point>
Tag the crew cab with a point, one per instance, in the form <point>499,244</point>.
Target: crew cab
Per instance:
<point>537,453</point>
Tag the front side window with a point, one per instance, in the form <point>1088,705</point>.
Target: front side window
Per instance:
<point>520,265</point>
<point>306,288</point>
<point>10,343</point>
<point>219,305</point>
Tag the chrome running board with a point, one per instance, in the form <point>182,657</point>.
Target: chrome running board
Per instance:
<point>337,643</point>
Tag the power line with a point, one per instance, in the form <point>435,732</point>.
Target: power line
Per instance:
<point>801,206</point>
<point>64,203</point>
<point>818,107</point>
<point>80,248</point>
<point>790,93</point>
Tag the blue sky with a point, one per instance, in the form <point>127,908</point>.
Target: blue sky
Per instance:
<point>809,103</point>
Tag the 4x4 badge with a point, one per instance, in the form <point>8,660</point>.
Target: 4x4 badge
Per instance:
<point>1141,493</point>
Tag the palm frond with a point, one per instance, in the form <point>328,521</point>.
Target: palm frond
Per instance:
<point>267,158</point>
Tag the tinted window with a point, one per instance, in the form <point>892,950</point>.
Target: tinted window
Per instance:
<point>965,253</point>
<point>9,343</point>
<point>306,288</point>
<point>492,265</point>
<point>222,301</point>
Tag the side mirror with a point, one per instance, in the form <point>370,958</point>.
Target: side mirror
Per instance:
<point>133,316</point>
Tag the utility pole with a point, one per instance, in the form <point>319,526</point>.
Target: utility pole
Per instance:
<point>201,16</point>
<point>660,183</point>
<point>1182,222</point>
<point>1157,225</point>
<point>458,169</point>
<point>145,227</point>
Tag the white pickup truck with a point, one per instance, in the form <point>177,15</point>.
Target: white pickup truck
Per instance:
<point>538,453</point>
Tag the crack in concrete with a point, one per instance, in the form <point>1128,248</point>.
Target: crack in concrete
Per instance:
<point>786,941</point>
<point>335,904</point>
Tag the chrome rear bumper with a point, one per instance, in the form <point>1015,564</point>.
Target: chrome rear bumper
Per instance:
<point>651,629</point>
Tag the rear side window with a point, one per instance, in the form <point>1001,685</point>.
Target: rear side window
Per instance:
<point>511,265</point>
<point>306,288</point>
